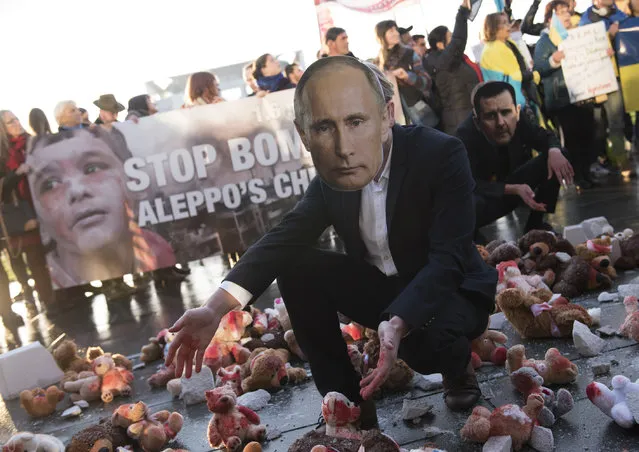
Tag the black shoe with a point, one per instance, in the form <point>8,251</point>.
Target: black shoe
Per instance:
<point>12,320</point>
<point>461,392</point>
<point>583,184</point>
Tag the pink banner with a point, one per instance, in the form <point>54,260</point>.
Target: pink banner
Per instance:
<point>365,6</point>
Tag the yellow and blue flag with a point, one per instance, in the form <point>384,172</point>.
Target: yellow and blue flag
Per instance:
<point>557,31</point>
<point>500,5</point>
<point>628,59</point>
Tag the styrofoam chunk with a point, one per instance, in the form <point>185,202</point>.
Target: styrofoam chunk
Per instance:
<point>498,444</point>
<point>27,367</point>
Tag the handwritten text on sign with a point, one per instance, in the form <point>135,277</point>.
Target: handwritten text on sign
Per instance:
<point>587,68</point>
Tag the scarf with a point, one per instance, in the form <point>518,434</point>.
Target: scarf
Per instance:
<point>15,159</point>
<point>270,83</point>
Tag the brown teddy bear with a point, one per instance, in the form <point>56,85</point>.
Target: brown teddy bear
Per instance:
<point>401,374</point>
<point>489,347</point>
<point>507,420</point>
<point>532,316</point>
<point>86,387</point>
<point>154,350</point>
<point>40,403</point>
<point>554,368</point>
<point>597,253</point>
<point>115,380</point>
<point>536,236</point>
<point>120,360</point>
<point>580,277</point>
<point>266,369</point>
<point>506,251</point>
<point>151,431</point>
<point>629,253</point>
<point>68,359</point>
<point>542,254</point>
<point>231,424</point>
<point>102,437</point>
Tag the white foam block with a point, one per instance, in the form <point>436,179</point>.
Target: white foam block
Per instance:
<point>27,367</point>
<point>594,227</point>
<point>575,234</point>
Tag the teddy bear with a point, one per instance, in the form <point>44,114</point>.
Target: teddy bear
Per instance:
<point>222,354</point>
<point>630,326</point>
<point>266,369</point>
<point>544,255</point>
<point>554,368</point>
<point>115,381</point>
<point>231,376</point>
<point>527,381</point>
<point>597,253</point>
<point>535,317</point>
<point>154,350</point>
<point>27,442</point>
<point>231,425</point>
<point>401,374</point>
<point>507,420</point>
<point>489,347</point>
<point>510,276</point>
<point>150,431</point>
<point>101,437</point>
<point>162,376</point>
<point>483,252</point>
<point>578,277</point>
<point>87,387</point>
<point>67,357</point>
<point>502,252</point>
<point>40,403</point>
<point>120,360</point>
<point>613,402</point>
<point>556,243</point>
<point>629,253</point>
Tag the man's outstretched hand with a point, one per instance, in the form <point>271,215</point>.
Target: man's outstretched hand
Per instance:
<point>390,335</point>
<point>559,166</point>
<point>195,329</point>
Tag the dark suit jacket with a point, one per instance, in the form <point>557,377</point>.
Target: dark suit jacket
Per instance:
<point>485,157</point>
<point>431,222</point>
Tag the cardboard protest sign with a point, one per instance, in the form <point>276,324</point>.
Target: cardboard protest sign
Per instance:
<point>587,68</point>
<point>175,187</point>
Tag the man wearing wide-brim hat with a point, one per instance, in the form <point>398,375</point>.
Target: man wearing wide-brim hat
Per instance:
<point>109,109</point>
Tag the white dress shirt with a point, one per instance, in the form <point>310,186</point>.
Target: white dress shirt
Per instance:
<point>373,230</point>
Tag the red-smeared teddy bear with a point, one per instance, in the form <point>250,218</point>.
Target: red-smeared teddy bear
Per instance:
<point>151,431</point>
<point>231,425</point>
<point>489,347</point>
<point>115,381</point>
<point>224,348</point>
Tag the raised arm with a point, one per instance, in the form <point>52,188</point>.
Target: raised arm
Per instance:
<point>453,54</point>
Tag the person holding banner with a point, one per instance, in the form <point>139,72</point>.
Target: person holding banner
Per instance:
<point>201,89</point>
<point>85,211</point>
<point>401,199</point>
<point>577,121</point>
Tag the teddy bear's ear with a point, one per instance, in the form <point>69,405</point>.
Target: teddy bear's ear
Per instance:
<point>135,430</point>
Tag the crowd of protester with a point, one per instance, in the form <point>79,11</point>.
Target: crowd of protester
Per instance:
<point>516,129</point>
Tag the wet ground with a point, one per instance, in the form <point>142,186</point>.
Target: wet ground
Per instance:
<point>124,325</point>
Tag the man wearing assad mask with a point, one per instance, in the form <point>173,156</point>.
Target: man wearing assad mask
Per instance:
<point>401,200</point>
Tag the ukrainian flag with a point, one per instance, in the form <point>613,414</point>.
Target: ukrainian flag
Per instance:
<point>500,5</point>
<point>557,31</point>
<point>628,58</point>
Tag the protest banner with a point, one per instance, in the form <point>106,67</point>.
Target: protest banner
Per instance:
<point>628,58</point>
<point>587,68</point>
<point>175,187</point>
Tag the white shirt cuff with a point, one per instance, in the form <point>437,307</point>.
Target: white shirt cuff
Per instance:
<point>553,63</point>
<point>242,295</point>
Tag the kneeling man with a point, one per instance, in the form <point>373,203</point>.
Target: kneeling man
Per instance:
<point>401,200</point>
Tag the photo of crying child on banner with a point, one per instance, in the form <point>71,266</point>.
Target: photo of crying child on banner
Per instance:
<point>174,187</point>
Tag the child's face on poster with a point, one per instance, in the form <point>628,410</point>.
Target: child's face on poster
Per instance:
<point>79,193</point>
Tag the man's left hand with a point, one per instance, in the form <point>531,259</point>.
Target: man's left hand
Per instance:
<point>559,166</point>
<point>390,335</point>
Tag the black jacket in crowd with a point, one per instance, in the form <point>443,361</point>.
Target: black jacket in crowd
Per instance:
<point>431,222</point>
<point>491,164</point>
<point>454,80</point>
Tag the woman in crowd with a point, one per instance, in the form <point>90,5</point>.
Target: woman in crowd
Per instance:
<point>576,121</point>
<point>633,7</point>
<point>268,74</point>
<point>141,106</point>
<point>13,176</point>
<point>453,74</point>
<point>38,122</point>
<point>414,83</point>
<point>502,61</point>
<point>201,89</point>
<point>86,214</point>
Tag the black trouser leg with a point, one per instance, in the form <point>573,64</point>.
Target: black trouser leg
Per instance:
<point>533,173</point>
<point>444,345</point>
<point>322,284</point>
<point>578,126</point>
<point>326,282</point>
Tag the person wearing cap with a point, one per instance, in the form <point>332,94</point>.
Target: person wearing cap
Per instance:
<point>404,35</point>
<point>500,140</point>
<point>401,199</point>
<point>109,109</point>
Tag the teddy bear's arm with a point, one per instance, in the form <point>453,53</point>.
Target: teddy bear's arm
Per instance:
<point>161,416</point>
<point>215,439</point>
<point>251,415</point>
<point>135,430</point>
